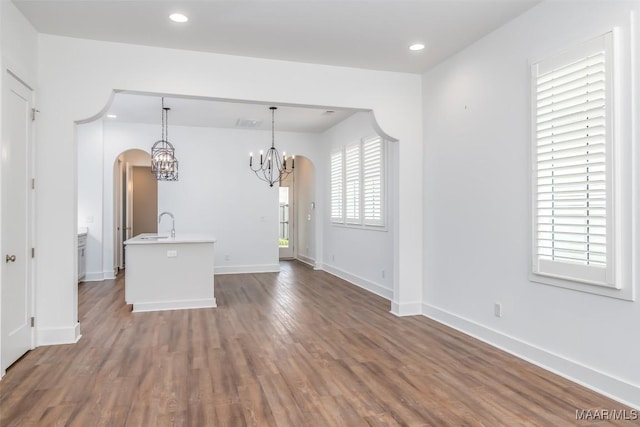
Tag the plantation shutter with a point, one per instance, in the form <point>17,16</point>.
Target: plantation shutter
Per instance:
<point>372,181</point>
<point>571,134</point>
<point>352,183</point>
<point>336,187</point>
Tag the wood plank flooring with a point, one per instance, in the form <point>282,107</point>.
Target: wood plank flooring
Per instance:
<point>298,348</point>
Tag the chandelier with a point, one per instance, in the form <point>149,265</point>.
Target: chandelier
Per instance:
<point>164,164</point>
<point>273,167</point>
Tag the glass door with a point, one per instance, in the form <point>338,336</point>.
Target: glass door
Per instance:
<point>285,223</point>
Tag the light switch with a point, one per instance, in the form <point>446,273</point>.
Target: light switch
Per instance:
<point>172,254</point>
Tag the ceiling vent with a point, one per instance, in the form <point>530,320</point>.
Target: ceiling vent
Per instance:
<point>248,123</point>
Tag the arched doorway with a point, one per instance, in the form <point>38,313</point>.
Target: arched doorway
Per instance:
<point>135,200</point>
<point>296,213</point>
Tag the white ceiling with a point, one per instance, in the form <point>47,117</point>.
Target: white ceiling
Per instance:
<point>373,34</point>
<point>137,108</point>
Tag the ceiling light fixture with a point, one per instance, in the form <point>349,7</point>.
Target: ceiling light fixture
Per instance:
<point>273,167</point>
<point>178,17</point>
<point>416,46</point>
<point>164,164</point>
<point>112,116</point>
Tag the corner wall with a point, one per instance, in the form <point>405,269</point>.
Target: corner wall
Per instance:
<point>361,255</point>
<point>477,197</point>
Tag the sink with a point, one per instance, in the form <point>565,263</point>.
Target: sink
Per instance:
<point>153,237</point>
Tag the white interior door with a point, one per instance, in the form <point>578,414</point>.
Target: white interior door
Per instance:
<point>15,222</point>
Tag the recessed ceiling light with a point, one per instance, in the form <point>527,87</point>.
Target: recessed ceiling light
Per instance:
<point>112,116</point>
<point>178,17</point>
<point>416,46</point>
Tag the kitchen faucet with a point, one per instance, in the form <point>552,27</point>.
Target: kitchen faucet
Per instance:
<point>173,222</point>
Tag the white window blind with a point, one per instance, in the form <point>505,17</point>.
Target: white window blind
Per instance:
<point>352,183</point>
<point>336,186</point>
<point>372,171</point>
<point>571,134</point>
<point>358,183</point>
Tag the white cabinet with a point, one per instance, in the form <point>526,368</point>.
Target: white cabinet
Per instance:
<point>169,273</point>
<point>82,258</point>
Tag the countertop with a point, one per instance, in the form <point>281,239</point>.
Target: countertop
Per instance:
<point>164,239</point>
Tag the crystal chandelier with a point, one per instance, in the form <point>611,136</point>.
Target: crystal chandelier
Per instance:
<point>164,164</point>
<point>272,167</point>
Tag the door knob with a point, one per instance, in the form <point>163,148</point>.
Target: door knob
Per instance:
<point>10,258</point>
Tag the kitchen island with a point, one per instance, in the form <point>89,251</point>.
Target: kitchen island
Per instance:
<point>169,273</point>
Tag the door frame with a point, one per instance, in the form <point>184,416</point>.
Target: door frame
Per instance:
<point>290,251</point>
<point>7,74</point>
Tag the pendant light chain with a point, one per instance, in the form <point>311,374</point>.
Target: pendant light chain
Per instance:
<point>273,131</point>
<point>164,121</point>
<point>164,164</point>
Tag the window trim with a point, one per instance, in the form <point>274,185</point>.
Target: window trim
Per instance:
<point>612,285</point>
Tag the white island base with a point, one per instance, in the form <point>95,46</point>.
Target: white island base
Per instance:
<point>169,273</point>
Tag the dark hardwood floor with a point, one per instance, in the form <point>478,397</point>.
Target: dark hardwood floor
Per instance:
<point>298,348</point>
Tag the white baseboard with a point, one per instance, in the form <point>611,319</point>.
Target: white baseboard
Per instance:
<point>306,260</point>
<point>406,308</point>
<point>615,388</point>
<point>98,276</point>
<point>174,305</point>
<point>55,336</point>
<point>359,281</point>
<point>93,277</point>
<point>239,269</point>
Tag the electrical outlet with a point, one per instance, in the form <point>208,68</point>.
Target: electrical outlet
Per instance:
<point>382,273</point>
<point>227,257</point>
<point>497,309</point>
<point>333,258</point>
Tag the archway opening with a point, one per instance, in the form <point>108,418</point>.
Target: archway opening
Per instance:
<point>297,213</point>
<point>135,199</point>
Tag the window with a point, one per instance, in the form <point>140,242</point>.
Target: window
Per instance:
<point>572,164</point>
<point>357,183</point>
<point>352,169</point>
<point>372,181</point>
<point>336,186</point>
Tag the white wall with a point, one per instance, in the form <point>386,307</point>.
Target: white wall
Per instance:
<point>305,208</point>
<point>216,191</point>
<point>362,255</point>
<point>76,79</point>
<point>477,198</point>
<point>19,44</point>
<point>90,194</point>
